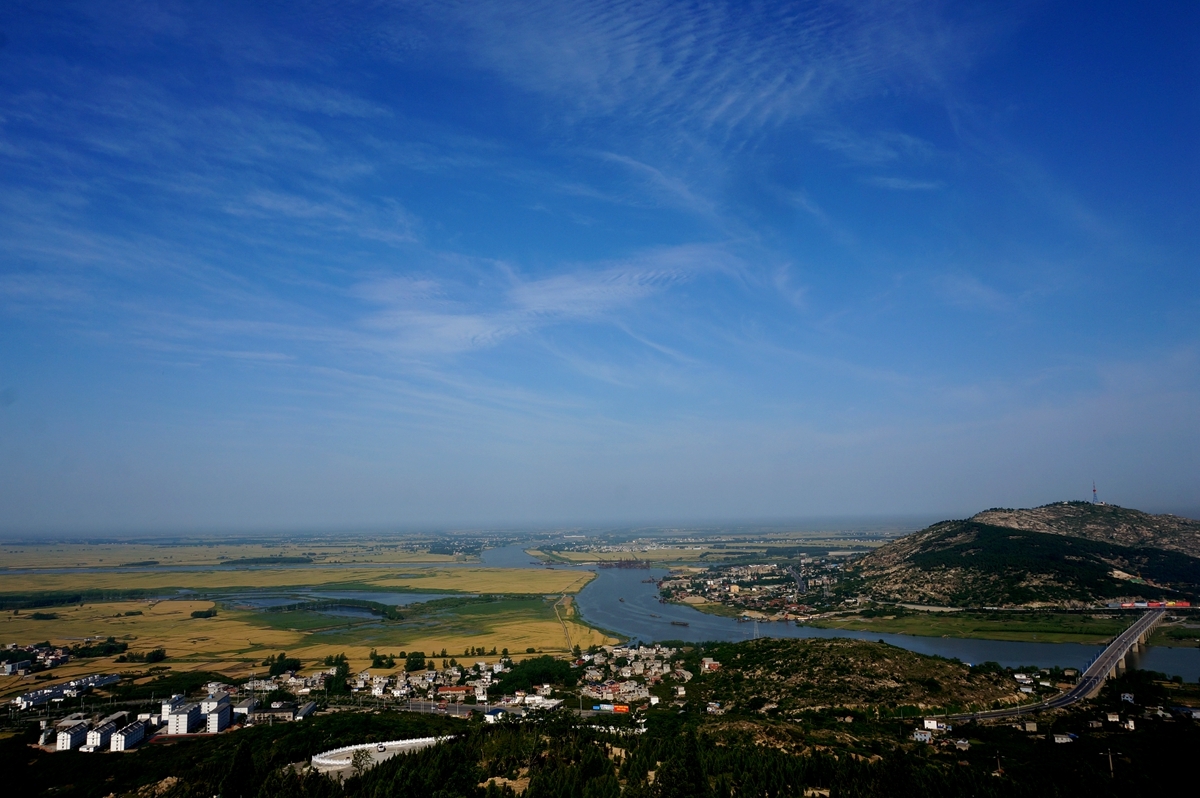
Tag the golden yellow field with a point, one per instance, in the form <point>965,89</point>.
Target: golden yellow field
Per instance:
<point>76,555</point>
<point>534,610</point>
<point>464,579</point>
<point>235,642</point>
<point>492,580</point>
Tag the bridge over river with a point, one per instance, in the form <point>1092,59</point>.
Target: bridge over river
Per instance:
<point>1105,666</point>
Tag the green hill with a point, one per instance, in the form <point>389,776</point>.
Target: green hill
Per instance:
<point>973,564</point>
<point>784,677</point>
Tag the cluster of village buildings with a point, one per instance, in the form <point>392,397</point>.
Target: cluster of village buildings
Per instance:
<point>626,674</point>
<point>456,682</point>
<point>762,592</point>
<point>60,692</point>
<point>629,548</point>
<point>22,660</point>
<point>175,716</point>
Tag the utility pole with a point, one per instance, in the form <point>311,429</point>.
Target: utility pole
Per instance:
<point>1112,774</point>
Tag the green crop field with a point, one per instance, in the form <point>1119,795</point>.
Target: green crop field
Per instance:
<point>1014,626</point>
<point>516,608</point>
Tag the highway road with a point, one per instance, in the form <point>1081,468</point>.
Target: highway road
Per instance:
<point>1092,679</point>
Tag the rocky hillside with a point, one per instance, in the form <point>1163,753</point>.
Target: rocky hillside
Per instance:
<point>1106,523</point>
<point>975,564</point>
<point>783,677</point>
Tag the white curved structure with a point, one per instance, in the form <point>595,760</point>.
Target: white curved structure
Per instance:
<point>342,758</point>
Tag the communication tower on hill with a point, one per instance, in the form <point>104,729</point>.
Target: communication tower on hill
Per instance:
<point>1094,492</point>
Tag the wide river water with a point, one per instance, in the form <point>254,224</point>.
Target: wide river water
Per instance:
<point>640,616</point>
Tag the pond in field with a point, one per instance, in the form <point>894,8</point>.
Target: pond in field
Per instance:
<point>381,597</point>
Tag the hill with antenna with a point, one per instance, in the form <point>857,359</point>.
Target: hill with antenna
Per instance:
<point>1064,554</point>
<point>1106,523</point>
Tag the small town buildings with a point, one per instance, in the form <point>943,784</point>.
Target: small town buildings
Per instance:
<point>217,712</point>
<point>70,720</point>
<point>277,711</point>
<point>245,707</point>
<point>118,719</point>
<point>13,668</point>
<point>169,705</point>
<point>72,736</point>
<point>71,689</point>
<point>125,738</point>
<point>217,720</point>
<point>213,702</point>
<point>282,711</point>
<point>184,719</point>
<point>923,735</point>
<point>98,737</point>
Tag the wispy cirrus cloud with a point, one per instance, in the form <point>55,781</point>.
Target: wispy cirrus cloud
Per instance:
<point>712,67</point>
<point>427,316</point>
<point>970,293</point>
<point>314,98</point>
<point>874,148</point>
<point>903,183</point>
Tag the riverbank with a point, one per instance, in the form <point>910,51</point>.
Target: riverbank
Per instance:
<point>1012,627</point>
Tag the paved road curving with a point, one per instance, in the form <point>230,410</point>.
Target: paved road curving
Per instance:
<point>1089,683</point>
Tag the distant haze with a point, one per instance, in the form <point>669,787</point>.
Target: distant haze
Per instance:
<point>581,263</point>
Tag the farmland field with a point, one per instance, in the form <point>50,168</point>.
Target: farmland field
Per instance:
<point>409,578</point>
<point>133,554</point>
<point>68,594</point>
<point>1043,627</point>
<point>235,642</point>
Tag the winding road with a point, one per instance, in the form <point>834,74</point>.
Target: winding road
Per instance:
<point>1092,679</point>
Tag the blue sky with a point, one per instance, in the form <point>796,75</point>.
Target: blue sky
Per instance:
<point>340,265</point>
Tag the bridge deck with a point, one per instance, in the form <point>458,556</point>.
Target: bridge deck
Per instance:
<point>1093,678</point>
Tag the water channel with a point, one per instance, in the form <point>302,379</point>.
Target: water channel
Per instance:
<point>640,616</point>
<point>626,602</point>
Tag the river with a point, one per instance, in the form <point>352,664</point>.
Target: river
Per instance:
<point>641,617</point>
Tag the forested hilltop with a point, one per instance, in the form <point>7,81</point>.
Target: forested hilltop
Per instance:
<point>1067,554</point>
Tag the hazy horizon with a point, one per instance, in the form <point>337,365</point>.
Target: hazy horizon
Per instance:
<point>476,264</point>
<point>835,524</point>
